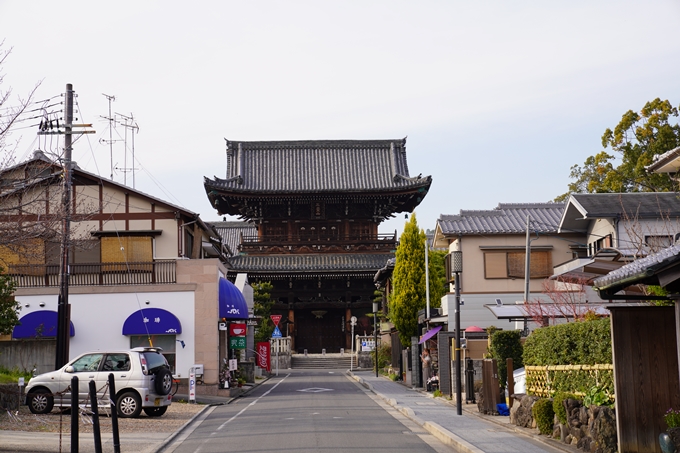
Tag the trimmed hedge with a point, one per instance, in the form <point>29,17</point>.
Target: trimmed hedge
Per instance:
<point>574,343</point>
<point>543,413</point>
<point>506,344</point>
<point>558,405</point>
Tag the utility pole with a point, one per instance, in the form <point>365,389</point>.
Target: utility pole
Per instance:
<point>63,307</point>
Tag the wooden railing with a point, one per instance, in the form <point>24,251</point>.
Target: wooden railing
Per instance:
<point>96,274</point>
<point>577,379</point>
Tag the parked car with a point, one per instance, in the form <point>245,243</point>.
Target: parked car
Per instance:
<point>142,379</point>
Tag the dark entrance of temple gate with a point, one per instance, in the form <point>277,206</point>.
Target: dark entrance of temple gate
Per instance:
<point>319,329</point>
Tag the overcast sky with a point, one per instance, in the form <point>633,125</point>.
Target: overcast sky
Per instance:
<point>498,98</point>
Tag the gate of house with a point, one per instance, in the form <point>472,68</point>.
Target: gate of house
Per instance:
<point>490,388</point>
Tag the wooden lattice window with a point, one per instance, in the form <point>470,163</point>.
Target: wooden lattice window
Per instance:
<point>511,264</point>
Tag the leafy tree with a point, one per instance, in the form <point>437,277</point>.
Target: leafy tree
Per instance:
<point>262,306</point>
<point>637,139</point>
<point>408,281</point>
<point>506,344</point>
<point>437,270</point>
<point>9,307</point>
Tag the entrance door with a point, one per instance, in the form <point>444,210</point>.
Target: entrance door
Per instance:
<point>319,330</point>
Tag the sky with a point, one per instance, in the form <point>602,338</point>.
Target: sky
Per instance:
<point>498,99</point>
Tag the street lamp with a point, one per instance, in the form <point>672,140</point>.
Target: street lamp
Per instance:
<point>375,335</point>
<point>457,268</point>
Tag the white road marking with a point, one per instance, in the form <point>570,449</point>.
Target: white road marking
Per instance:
<point>253,403</point>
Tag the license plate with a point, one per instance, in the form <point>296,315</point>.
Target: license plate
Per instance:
<point>157,402</point>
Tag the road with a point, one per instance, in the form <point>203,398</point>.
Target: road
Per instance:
<point>306,411</point>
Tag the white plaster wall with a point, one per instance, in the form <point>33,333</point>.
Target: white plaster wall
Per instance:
<point>98,319</point>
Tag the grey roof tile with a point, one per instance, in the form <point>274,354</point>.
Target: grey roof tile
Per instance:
<point>318,166</point>
<point>637,204</point>
<point>231,232</point>
<point>310,263</point>
<point>507,218</point>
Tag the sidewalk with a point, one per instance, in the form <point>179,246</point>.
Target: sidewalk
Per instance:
<point>471,432</point>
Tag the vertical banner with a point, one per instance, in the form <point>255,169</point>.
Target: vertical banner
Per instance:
<point>263,354</point>
<point>192,385</point>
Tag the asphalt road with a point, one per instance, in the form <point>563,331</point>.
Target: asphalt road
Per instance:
<point>305,411</point>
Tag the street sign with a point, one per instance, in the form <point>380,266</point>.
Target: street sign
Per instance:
<point>237,342</point>
<point>276,319</point>
<point>277,333</point>
<point>353,320</point>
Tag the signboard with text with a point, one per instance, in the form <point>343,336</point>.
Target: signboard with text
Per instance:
<point>263,355</point>
<point>276,319</point>
<point>276,333</point>
<point>237,342</point>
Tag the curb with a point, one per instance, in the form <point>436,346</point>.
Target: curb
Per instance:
<point>174,435</point>
<point>450,439</point>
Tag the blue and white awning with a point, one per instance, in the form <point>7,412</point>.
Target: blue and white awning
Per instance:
<point>152,321</point>
<point>39,324</point>
<point>232,303</point>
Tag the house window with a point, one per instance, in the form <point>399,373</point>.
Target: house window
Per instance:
<point>127,249</point>
<point>167,343</point>
<point>511,264</point>
<point>602,243</point>
<point>656,243</point>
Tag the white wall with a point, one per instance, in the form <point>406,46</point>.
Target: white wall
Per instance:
<point>98,319</point>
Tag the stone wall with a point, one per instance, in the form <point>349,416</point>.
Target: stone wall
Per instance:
<point>590,429</point>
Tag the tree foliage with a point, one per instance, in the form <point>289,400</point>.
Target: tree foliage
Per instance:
<point>408,281</point>
<point>506,344</point>
<point>9,307</point>
<point>634,142</point>
<point>262,307</point>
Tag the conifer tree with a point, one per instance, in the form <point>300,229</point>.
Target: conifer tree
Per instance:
<point>408,281</point>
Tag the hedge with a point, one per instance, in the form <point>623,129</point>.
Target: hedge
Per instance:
<point>574,343</point>
<point>506,344</point>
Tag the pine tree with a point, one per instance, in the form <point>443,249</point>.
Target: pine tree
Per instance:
<point>408,281</point>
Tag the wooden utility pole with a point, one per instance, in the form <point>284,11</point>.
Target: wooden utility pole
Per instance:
<point>63,307</point>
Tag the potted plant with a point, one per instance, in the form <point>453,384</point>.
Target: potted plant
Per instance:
<point>670,440</point>
<point>241,381</point>
<point>224,378</point>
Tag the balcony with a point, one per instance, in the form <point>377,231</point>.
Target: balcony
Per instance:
<point>380,243</point>
<point>95,274</point>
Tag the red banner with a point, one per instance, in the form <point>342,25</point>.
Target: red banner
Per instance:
<point>276,319</point>
<point>237,329</point>
<point>263,354</point>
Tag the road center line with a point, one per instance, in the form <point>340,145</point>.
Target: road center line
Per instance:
<point>253,403</point>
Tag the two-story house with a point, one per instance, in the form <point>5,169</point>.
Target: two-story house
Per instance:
<point>493,246</point>
<point>141,271</point>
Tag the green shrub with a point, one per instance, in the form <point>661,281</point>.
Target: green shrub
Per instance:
<point>544,415</point>
<point>558,405</point>
<point>574,343</point>
<point>384,356</point>
<point>598,396</point>
<point>506,344</point>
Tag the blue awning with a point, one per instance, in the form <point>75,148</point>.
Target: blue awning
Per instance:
<point>39,324</point>
<point>152,321</point>
<point>429,334</point>
<point>232,303</point>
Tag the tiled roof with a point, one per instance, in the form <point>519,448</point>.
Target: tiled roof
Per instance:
<point>637,204</point>
<point>231,232</point>
<point>319,166</point>
<point>638,271</point>
<point>321,263</point>
<point>507,218</point>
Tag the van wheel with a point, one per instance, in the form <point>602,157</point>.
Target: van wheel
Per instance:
<point>40,401</point>
<point>155,411</point>
<point>129,405</point>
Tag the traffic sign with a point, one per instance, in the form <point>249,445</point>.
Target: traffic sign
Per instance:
<point>353,320</point>
<point>277,333</point>
<point>276,319</point>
